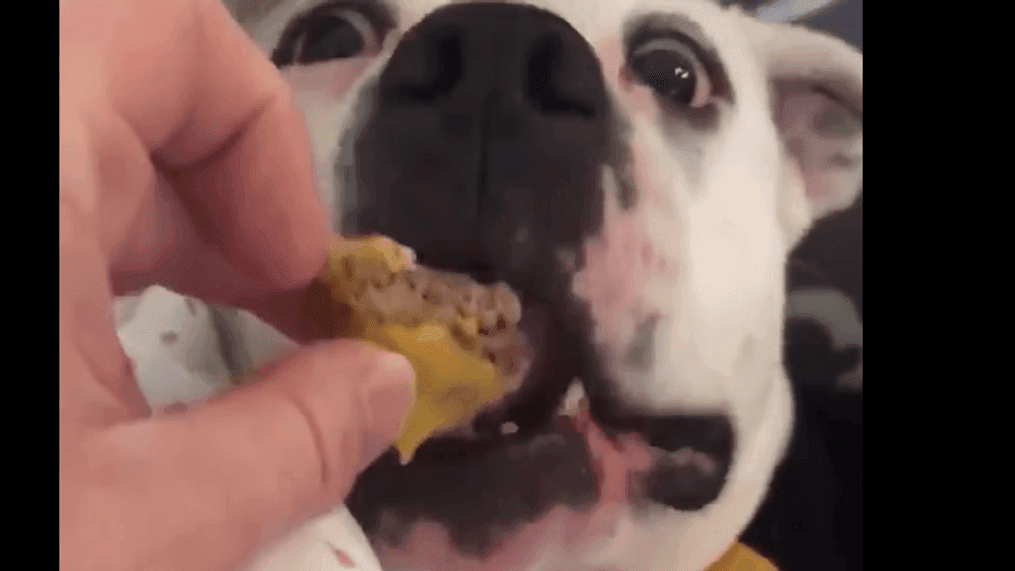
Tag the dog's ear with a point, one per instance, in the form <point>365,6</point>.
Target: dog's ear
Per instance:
<point>816,84</point>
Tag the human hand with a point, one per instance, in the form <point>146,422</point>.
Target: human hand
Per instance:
<point>183,163</point>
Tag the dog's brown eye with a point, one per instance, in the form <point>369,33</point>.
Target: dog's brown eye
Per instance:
<point>670,68</point>
<point>338,35</point>
<point>328,33</point>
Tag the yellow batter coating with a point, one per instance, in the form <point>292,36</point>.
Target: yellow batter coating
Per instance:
<point>459,336</point>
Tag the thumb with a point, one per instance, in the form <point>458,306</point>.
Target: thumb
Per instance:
<point>342,403</point>
<point>246,468</point>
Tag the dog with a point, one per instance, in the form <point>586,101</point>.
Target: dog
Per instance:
<point>639,170</point>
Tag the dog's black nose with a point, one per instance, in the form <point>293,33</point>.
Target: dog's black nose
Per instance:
<point>483,147</point>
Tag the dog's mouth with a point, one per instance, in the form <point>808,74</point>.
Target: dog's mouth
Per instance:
<point>483,490</point>
<point>547,445</point>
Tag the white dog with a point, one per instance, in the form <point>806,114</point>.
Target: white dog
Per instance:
<point>639,170</point>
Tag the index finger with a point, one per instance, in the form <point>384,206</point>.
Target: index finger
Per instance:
<point>218,115</point>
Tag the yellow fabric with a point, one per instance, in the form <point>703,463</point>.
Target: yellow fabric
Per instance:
<point>742,558</point>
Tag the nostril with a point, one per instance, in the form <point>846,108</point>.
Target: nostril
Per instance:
<point>545,81</point>
<point>444,61</point>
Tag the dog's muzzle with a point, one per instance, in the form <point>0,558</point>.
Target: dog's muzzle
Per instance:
<point>484,149</point>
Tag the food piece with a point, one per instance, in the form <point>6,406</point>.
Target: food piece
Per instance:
<point>461,337</point>
<point>741,557</point>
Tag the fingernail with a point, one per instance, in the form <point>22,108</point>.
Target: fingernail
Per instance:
<point>388,396</point>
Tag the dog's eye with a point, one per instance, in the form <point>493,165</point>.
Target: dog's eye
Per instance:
<point>327,33</point>
<point>343,33</point>
<point>671,68</point>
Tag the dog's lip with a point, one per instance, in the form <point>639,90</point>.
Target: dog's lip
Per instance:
<point>687,479</point>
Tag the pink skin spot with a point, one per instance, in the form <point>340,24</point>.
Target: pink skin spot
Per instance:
<point>646,254</point>
<point>622,263</point>
<point>343,559</point>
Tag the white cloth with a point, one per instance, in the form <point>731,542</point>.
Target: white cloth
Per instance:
<point>173,346</point>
